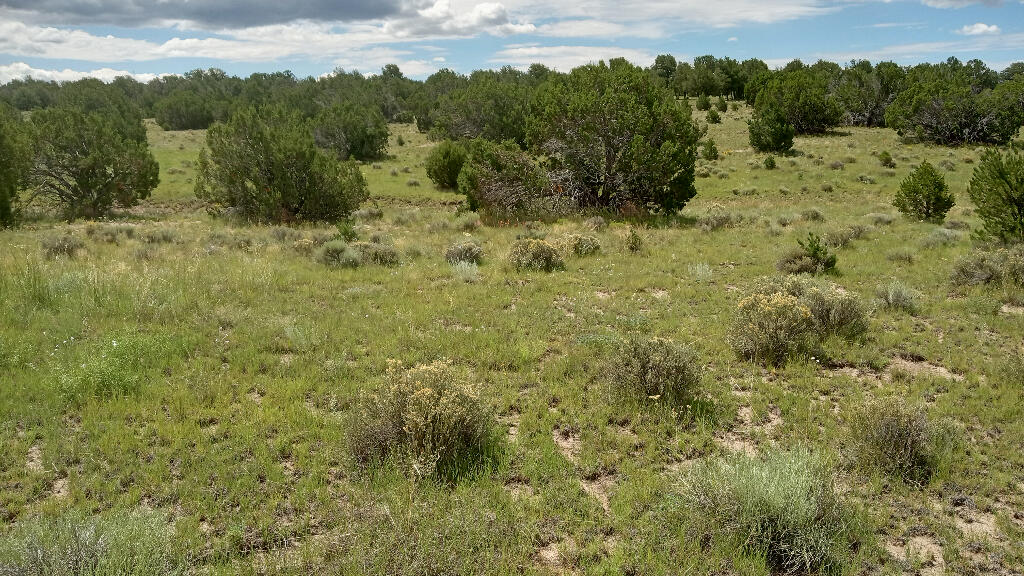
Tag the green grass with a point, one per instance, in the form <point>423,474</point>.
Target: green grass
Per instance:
<point>229,418</point>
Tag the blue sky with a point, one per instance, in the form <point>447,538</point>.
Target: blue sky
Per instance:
<point>67,39</point>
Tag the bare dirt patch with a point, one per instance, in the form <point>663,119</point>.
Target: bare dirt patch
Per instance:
<point>34,459</point>
<point>921,368</point>
<point>599,488</point>
<point>922,551</point>
<point>1009,310</point>
<point>61,488</point>
<point>568,443</point>
<point>739,439</point>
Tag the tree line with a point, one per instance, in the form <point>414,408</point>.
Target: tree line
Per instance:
<point>610,136</point>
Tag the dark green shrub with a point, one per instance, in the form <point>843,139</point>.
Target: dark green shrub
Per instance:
<point>16,152</point>
<point>703,102</point>
<point>709,151</point>
<point>713,117</point>
<point>533,254</point>
<point>504,182</point>
<point>812,257</point>
<point>924,195</point>
<point>721,104</point>
<point>900,440</point>
<point>339,254</point>
<point>351,131</point>
<point>444,164</point>
<point>886,160</point>
<point>769,162</point>
<point>89,163</point>
<point>427,420</point>
<point>657,369</point>
<point>782,506</point>
<point>183,110</point>
<point>997,189</point>
<point>264,166</point>
<point>769,132</point>
<point>465,251</point>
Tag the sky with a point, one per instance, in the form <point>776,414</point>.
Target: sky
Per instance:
<point>70,39</point>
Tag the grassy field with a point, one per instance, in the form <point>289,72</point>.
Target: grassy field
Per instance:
<point>204,377</point>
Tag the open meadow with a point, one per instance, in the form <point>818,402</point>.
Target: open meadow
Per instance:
<point>197,383</point>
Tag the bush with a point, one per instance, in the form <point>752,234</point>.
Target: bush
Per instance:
<point>464,251</point>
<point>709,151</point>
<point>634,241</point>
<point>782,506</point>
<point>89,163</point>
<point>596,223</point>
<point>900,440</point>
<point>466,271</point>
<point>444,164</point>
<point>997,189</point>
<point>263,164</point>
<point>717,217</point>
<point>369,214</point>
<point>339,254</point>
<point>842,237</point>
<point>580,244</point>
<point>16,151</point>
<point>835,310</point>
<point>769,328</point>
<point>183,110</point>
<point>66,244</point>
<point>898,296</point>
<point>812,257</point>
<point>1003,266</point>
<point>812,215</point>
<point>770,132</point>
<point>159,236</point>
<point>377,253</point>
<point>116,543</point>
<point>657,369</point>
<point>941,237</point>
<point>703,102</point>
<point>109,233</point>
<point>427,420</point>
<point>533,254</point>
<point>885,159</point>
<point>924,195</point>
<point>721,104</point>
<point>713,117</point>
<point>351,131</point>
<point>113,371</point>
<point>769,162</point>
<point>880,218</point>
<point>504,181</point>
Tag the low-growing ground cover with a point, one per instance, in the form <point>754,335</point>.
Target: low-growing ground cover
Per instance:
<point>210,377</point>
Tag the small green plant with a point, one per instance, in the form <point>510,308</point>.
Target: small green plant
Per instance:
<point>714,117</point>
<point>465,251</point>
<point>999,267</point>
<point>924,195</point>
<point>534,254</point>
<point>886,160</point>
<point>468,222</point>
<point>896,295</point>
<point>721,104</point>
<point>812,257</point>
<point>703,103</point>
<point>812,215</point>
<point>769,162</point>
<point>901,441</point>
<point>596,223</point>
<point>339,254</point>
<point>400,140</point>
<point>347,230</point>
<point>368,214</point>
<point>709,151</point>
<point>782,506</point>
<point>770,132</point>
<point>428,420</point>
<point>634,241</point>
<point>657,369</point>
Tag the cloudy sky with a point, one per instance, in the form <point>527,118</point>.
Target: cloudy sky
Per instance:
<point>66,39</point>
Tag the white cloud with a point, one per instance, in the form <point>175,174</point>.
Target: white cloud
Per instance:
<point>978,29</point>
<point>565,58</point>
<point>733,39</point>
<point>20,70</point>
